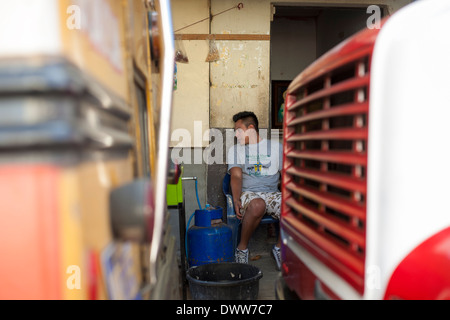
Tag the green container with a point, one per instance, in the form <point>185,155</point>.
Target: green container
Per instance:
<point>174,193</point>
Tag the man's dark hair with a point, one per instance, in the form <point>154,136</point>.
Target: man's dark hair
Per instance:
<point>247,118</point>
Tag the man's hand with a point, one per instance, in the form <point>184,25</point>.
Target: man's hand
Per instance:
<point>237,208</point>
<point>236,188</point>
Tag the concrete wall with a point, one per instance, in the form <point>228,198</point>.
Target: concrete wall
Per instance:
<point>191,99</point>
<point>240,80</point>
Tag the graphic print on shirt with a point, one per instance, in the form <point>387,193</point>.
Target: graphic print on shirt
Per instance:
<point>258,165</point>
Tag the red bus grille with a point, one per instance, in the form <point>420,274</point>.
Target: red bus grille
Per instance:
<point>324,177</point>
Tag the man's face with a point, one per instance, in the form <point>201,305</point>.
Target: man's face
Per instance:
<point>243,133</point>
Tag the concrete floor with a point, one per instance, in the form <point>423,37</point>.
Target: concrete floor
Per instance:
<point>260,247</point>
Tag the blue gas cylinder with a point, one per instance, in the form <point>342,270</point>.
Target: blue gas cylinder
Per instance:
<point>209,240</point>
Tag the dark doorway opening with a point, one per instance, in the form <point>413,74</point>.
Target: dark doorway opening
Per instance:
<point>301,34</point>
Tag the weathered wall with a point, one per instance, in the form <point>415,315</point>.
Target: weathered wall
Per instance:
<point>240,80</point>
<point>191,98</point>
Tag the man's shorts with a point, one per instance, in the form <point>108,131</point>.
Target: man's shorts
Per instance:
<point>272,200</point>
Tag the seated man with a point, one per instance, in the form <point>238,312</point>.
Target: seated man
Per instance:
<point>254,164</point>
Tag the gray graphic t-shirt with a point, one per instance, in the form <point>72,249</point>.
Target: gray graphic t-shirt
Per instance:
<point>260,164</point>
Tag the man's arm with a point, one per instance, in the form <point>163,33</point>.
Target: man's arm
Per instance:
<point>236,189</point>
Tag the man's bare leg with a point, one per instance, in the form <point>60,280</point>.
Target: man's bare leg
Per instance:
<point>253,215</point>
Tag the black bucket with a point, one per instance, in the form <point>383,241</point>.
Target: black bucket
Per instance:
<point>224,281</point>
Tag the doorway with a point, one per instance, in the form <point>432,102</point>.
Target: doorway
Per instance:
<point>301,34</point>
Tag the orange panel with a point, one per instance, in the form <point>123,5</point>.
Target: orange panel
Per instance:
<point>29,226</point>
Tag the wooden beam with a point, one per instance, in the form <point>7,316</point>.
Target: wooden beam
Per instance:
<point>231,37</point>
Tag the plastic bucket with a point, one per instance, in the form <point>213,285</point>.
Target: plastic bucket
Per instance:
<point>224,281</point>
